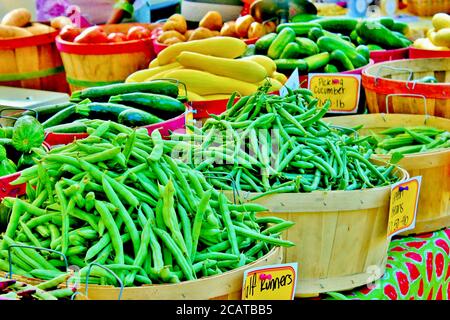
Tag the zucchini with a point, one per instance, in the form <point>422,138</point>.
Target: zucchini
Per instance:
<point>288,65</point>
<point>338,25</point>
<point>73,127</point>
<point>331,68</point>
<point>150,102</point>
<point>103,93</point>
<point>291,51</point>
<point>315,33</point>
<point>374,47</point>
<point>340,57</point>
<point>137,118</point>
<point>263,43</point>
<point>300,28</point>
<point>59,117</point>
<point>282,39</point>
<point>329,44</point>
<point>376,33</point>
<point>317,61</point>
<point>364,51</point>
<point>307,47</point>
<point>47,109</point>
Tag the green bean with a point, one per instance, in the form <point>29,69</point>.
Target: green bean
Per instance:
<point>228,223</point>
<point>198,219</point>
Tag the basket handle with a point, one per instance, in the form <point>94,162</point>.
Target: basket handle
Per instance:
<point>107,269</point>
<point>228,177</point>
<point>395,69</point>
<point>408,95</point>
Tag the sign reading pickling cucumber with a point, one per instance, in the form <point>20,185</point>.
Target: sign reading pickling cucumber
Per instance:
<point>274,282</point>
<point>343,90</point>
<point>293,82</point>
<point>403,205</point>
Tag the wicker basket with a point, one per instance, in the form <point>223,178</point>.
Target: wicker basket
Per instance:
<point>428,7</point>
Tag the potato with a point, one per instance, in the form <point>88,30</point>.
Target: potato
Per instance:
<point>39,28</point>
<point>212,21</point>
<point>243,24</point>
<point>176,22</point>
<point>13,32</point>
<point>270,26</point>
<point>17,18</point>
<point>172,41</point>
<point>215,33</point>
<point>60,22</point>
<point>441,38</point>
<point>256,30</point>
<point>171,34</point>
<point>188,33</point>
<point>200,33</point>
<point>441,21</point>
<point>229,29</point>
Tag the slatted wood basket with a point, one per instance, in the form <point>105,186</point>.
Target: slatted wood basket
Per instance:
<point>428,7</point>
<point>390,87</point>
<point>341,236</point>
<point>32,62</point>
<point>89,65</point>
<point>433,211</point>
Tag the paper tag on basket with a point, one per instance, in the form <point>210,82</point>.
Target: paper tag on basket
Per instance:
<point>403,205</point>
<point>293,82</point>
<point>274,282</point>
<point>343,90</point>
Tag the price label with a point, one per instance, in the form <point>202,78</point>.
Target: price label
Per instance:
<point>274,282</point>
<point>343,90</point>
<point>403,205</point>
<point>292,83</point>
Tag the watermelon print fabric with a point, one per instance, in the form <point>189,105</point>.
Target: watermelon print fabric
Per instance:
<point>418,268</point>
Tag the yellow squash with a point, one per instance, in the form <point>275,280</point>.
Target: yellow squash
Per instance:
<point>142,75</point>
<point>154,63</point>
<point>225,47</point>
<point>280,77</point>
<point>216,97</point>
<point>244,70</point>
<point>192,96</point>
<point>264,61</point>
<point>205,83</point>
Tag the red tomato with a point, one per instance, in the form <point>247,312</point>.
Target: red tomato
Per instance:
<point>93,34</point>
<point>69,33</point>
<point>138,32</point>
<point>117,37</point>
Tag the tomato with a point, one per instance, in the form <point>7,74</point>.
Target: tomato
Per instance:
<point>69,33</point>
<point>138,32</point>
<point>117,37</point>
<point>93,34</point>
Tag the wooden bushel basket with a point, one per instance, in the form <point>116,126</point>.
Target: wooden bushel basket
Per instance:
<point>433,211</point>
<point>340,236</point>
<point>32,62</point>
<point>89,65</point>
<point>391,85</point>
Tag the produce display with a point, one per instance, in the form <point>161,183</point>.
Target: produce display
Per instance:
<point>406,140</point>
<point>116,198</point>
<point>280,144</point>
<point>330,44</point>
<point>175,30</point>
<point>17,24</point>
<point>438,37</point>
<point>212,69</point>
<point>11,289</point>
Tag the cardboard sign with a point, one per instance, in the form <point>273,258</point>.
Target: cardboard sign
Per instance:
<point>292,83</point>
<point>274,282</point>
<point>403,205</point>
<point>342,90</point>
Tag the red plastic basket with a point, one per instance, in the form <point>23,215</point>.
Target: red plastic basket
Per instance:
<point>388,55</point>
<point>8,190</point>
<point>415,53</point>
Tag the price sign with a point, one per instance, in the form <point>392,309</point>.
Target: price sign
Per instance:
<point>274,282</point>
<point>403,205</point>
<point>292,83</point>
<point>342,90</point>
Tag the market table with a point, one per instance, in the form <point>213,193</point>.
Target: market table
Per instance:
<point>418,268</point>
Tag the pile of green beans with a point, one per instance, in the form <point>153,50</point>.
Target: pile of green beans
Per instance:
<point>116,198</point>
<point>271,144</point>
<point>11,289</point>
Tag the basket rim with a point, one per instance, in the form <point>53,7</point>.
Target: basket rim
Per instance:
<point>29,41</point>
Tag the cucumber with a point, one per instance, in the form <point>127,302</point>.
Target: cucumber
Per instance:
<point>315,33</point>
<point>354,36</point>
<point>329,44</point>
<point>291,51</point>
<point>331,68</point>
<point>339,36</point>
<point>137,118</point>
<point>388,22</point>
<point>304,17</point>
<point>404,39</point>
<point>300,28</point>
<point>103,93</point>
<point>338,25</point>
<point>150,102</point>
<point>364,51</point>
<point>340,57</point>
<point>263,43</point>
<point>250,51</point>
<point>401,27</point>
<point>346,38</point>
<point>307,47</point>
<point>374,47</point>
<point>287,65</point>
<point>376,33</point>
<point>317,61</point>
<point>282,39</point>
<point>360,41</point>
<point>73,127</point>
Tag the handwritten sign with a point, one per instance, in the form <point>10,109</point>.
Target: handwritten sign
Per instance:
<point>343,90</point>
<point>403,205</point>
<point>274,282</point>
<point>292,83</point>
